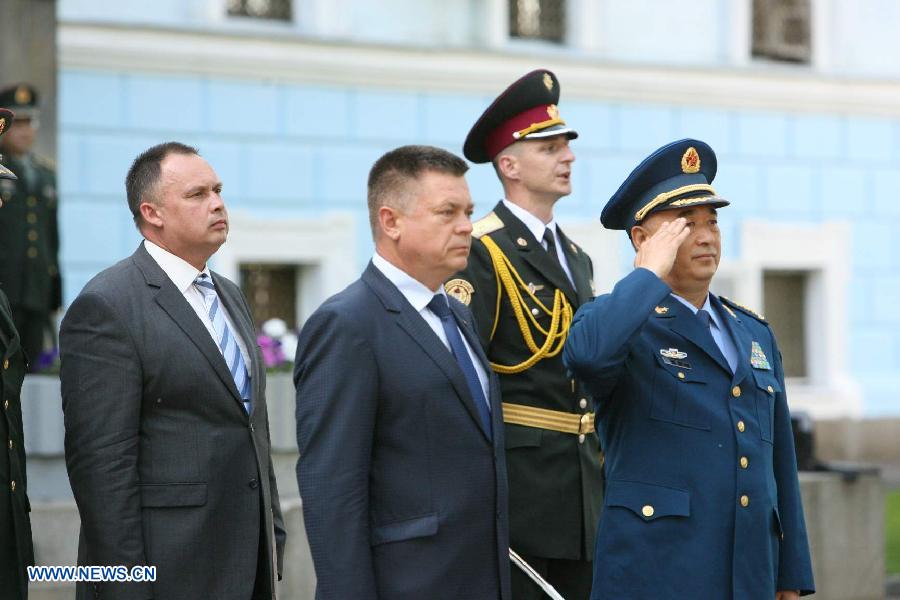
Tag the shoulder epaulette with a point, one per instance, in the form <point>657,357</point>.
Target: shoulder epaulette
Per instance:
<point>727,302</point>
<point>487,224</point>
<point>44,162</point>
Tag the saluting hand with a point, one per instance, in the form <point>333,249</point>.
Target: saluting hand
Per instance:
<point>657,253</point>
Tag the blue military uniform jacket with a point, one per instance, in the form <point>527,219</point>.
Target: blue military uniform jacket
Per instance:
<point>702,498</point>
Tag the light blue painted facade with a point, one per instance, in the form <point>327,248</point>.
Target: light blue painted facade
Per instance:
<point>289,150</point>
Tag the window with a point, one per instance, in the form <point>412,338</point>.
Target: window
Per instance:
<point>784,298</point>
<point>538,20</point>
<point>271,290</point>
<point>781,30</point>
<point>279,10</point>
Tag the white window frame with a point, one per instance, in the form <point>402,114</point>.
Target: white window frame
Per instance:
<point>823,251</point>
<point>325,246</point>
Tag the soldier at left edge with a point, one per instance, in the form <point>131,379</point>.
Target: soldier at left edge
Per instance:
<point>16,551</point>
<point>29,235</point>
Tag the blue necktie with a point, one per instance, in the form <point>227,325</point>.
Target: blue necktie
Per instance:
<point>708,323</point>
<point>439,307</point>
<point>227,343</point>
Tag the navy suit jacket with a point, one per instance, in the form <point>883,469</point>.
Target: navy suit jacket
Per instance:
<point>702,498</point>
<point>404,495</point>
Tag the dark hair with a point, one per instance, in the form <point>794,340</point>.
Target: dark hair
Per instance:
<point>143,176</point>
<point>391,174</point>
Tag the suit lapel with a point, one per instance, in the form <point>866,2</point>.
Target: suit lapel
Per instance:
<point>743,342</point>
<point>534,253</point>
<point>686,324</point>
<point>170,299</point>
<point>416,327</point>
<point>580,266</point>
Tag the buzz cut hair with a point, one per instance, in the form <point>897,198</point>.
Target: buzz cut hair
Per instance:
<point>142,180</point>
<point>392,175</point>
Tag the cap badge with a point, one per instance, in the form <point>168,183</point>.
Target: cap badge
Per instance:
<point>690,161</point>
<point>2,124</point>
<point>23,95</point>
<point>552,111</point>
<point>460,289</point>
<point>548,82</point>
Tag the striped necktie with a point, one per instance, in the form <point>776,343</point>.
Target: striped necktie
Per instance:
<point>224,338</point>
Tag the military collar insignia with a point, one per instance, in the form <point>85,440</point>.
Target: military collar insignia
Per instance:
<point>758,358</point>
<point>661,310</point>
<point>690,161</point>
<point>522,242</point>
<point>673,353</point>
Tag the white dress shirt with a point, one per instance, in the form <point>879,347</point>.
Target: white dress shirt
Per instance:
<point>419,296</point>
<point>182,274</point>
<point>537,228</point>
<point>717,329</point>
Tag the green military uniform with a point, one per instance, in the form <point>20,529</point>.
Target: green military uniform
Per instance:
<point>29,243</point>
<point>555,483</point>
<point>16,551</point>
<point>523,302</point>
<point>15,526</point>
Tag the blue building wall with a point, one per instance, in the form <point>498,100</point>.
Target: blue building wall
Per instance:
<point>288,150</point>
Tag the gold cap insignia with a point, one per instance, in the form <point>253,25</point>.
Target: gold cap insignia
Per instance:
<point>460,289</point>
<point>661,310</point>
<point>23,95</point>
<point>548,82</point>
<point>552,111</point>
<point>690,161</point>
<point>2,124</point>
<point>522,242</point>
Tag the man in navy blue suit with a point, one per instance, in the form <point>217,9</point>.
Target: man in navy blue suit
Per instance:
<point>399,423</point>
<point>702,498</point>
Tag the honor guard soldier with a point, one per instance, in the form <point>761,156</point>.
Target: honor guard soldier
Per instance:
<point>524,281</point>
<point>29,237</point>
<point>702,498</point>
<point>16,552</point>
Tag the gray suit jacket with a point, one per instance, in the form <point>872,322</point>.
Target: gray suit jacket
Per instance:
<point>166,466</point>
<point>403,493</point>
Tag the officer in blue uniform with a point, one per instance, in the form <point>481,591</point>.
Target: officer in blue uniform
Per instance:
<point>702,498</point>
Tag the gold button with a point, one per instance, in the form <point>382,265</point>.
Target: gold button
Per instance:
<point>32,236</point>
<point>12,484</point>
<point>535,311</point>
<point>31,218</point>
<point>32,201</point>
<point>582,403</point>
<point>741,427</point>
<point>580,438</point>
<point>32,252</point>
<point>680,375</point>
<point>771,390</point>
<point>647,511</point>
<point>744,462</point>
<point>5,364</point>
<point>736,391</point>
<point>745,500</point>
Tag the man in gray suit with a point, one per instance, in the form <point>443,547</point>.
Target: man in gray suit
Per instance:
<point>401,469</point>
<point>167,441</point>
